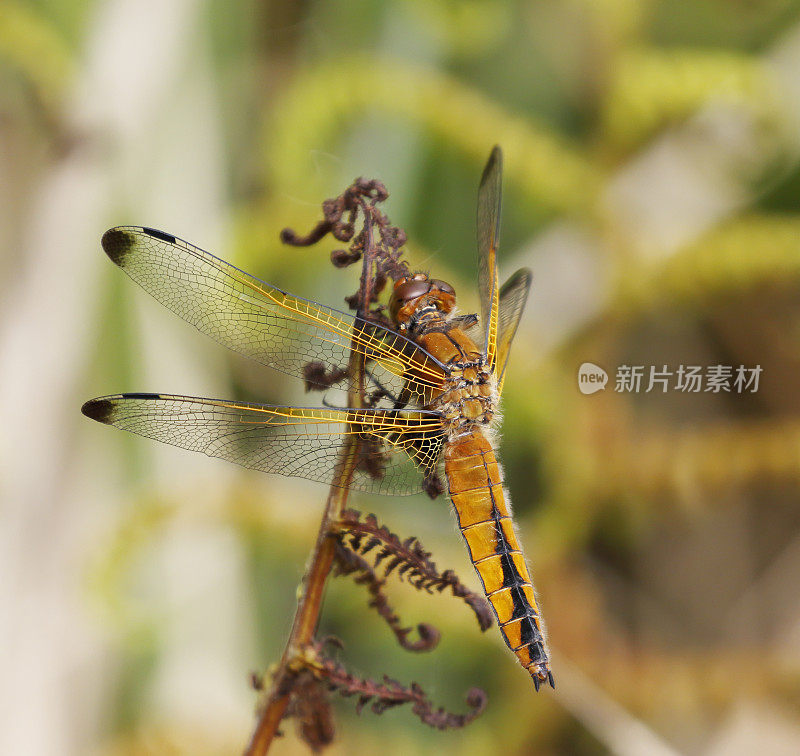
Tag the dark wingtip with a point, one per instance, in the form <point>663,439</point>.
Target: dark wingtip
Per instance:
<point>116,243</point>
<point>551,680</point>
<point>98,409</point>
<point>536,682</point>
<point>519,275</point>
<point>495,159</point>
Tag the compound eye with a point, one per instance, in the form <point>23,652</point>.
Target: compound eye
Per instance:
<point>412,289</point>
<point>443,286</point>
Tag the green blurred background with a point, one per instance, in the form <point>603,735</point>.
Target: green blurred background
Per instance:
<point>652,184</point>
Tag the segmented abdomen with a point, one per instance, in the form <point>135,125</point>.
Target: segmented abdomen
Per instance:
<point>476,489</point>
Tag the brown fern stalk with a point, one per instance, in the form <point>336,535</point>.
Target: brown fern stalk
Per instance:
<point>306,617</point>
<point>302,680</point>
<point>309,606</point>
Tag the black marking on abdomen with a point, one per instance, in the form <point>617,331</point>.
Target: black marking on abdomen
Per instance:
<point>511,577</point>
<point>530,634</point>
<point>513,580</point>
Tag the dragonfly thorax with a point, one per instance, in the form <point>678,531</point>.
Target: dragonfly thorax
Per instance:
<point>469,399</point>
<point>469,394</point>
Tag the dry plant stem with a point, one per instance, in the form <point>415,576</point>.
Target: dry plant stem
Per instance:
<point>309,606</point>
<point>307,615</point>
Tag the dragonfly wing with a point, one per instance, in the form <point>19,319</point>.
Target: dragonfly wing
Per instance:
<point>399,449</point>
<point>489,197</point>
<point>293,335</point>
<point>513,297</point>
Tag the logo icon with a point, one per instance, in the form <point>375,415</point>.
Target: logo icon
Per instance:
<point>591,378</point>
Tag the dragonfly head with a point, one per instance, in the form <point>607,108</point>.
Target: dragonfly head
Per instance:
<point>417,294</point>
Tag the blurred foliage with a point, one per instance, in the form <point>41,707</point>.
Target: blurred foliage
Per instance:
<point>722,262</point>
<point>656,526</point>
<point>652,89</point>
<point>33,47</point>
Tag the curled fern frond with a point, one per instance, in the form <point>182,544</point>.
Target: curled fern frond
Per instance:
<point>340,216</point>
<point>408,559</point>
<point>348,562</point>
<point>389,693</point>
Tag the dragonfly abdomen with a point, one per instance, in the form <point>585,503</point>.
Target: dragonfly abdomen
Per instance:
<point>476,490</point>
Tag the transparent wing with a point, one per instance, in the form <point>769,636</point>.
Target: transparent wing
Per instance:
<point>399,449</point>
<point>291,334</point>
<point>489,196</point>
<point>513,297</point>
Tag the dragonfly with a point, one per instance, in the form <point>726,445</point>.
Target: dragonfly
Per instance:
<point>444,393</point>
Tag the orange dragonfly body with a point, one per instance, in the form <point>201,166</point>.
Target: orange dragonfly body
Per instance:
<point>444,389</point>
